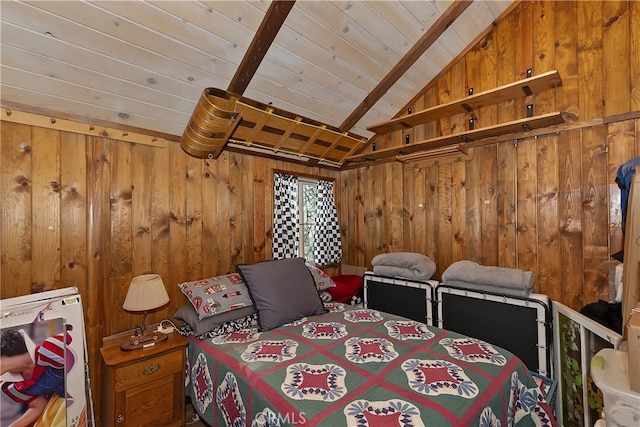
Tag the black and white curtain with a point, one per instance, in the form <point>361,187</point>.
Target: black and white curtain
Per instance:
<point>285,217</point>
<point>327,247</point>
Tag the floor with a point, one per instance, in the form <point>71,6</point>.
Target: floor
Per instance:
<point>191,418</point>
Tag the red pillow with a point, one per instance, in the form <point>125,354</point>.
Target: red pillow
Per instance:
<point>347,285</point>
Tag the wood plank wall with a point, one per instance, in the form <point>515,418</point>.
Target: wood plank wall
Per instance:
<point>548,204</point>
<point>93,212</point>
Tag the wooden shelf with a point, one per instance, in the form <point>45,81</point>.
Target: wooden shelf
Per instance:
<point>515,126</point>
<point>437,156</point>
<point>526,87</point>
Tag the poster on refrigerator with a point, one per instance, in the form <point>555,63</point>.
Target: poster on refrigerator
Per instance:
<point>44,378</point>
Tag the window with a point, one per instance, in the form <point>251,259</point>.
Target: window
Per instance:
<point>307,201</point>
<point>305,221</point>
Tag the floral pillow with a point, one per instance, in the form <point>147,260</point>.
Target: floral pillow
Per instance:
<point>322,279</point>
<point>217,294</point>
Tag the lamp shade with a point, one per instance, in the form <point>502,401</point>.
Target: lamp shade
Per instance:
<point>146,292</point>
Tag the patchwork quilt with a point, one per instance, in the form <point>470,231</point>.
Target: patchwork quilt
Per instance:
<point>360,367</point>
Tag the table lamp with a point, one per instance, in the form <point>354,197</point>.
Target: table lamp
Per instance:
<point>146,292</point>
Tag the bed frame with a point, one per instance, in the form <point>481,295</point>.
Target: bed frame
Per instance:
<point>413,299</point>
<point>518,324</point>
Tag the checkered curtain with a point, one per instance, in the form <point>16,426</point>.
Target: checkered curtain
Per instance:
<point>285,217</point>
<point>327,243</point>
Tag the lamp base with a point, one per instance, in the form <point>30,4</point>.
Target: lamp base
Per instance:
<point>147,339</point>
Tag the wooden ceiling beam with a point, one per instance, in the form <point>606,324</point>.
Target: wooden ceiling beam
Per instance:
<point>269,27</point>
<point>430,36</point>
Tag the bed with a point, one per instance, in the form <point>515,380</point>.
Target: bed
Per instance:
<point>345,365</point>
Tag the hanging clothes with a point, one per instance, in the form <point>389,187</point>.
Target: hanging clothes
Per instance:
<point>623,179</point>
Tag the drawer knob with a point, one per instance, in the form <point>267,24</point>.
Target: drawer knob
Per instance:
<point>120,418</point>
<point>151,369</point>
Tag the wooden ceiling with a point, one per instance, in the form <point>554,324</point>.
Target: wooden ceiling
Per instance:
<point>144,64</point>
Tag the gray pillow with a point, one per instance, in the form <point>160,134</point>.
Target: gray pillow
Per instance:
<point>282,290</point>
<point>190,316</point>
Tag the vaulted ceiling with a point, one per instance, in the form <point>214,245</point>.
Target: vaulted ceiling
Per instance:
<point>145,64</point>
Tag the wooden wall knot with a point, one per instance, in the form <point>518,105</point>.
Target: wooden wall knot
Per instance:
<point>26,148</point>
<point>611,21</point>
<point>23,183</point>
<point>38,287</point>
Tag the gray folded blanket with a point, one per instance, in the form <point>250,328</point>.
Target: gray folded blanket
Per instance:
<point>503,280</point>
<point>391,271</point>
<point>488,288</point>
<point>410,265</point>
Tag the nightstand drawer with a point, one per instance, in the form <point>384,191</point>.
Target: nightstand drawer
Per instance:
<point>148,370</point>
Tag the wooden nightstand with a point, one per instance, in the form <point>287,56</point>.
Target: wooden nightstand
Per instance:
<point>143,387</point>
